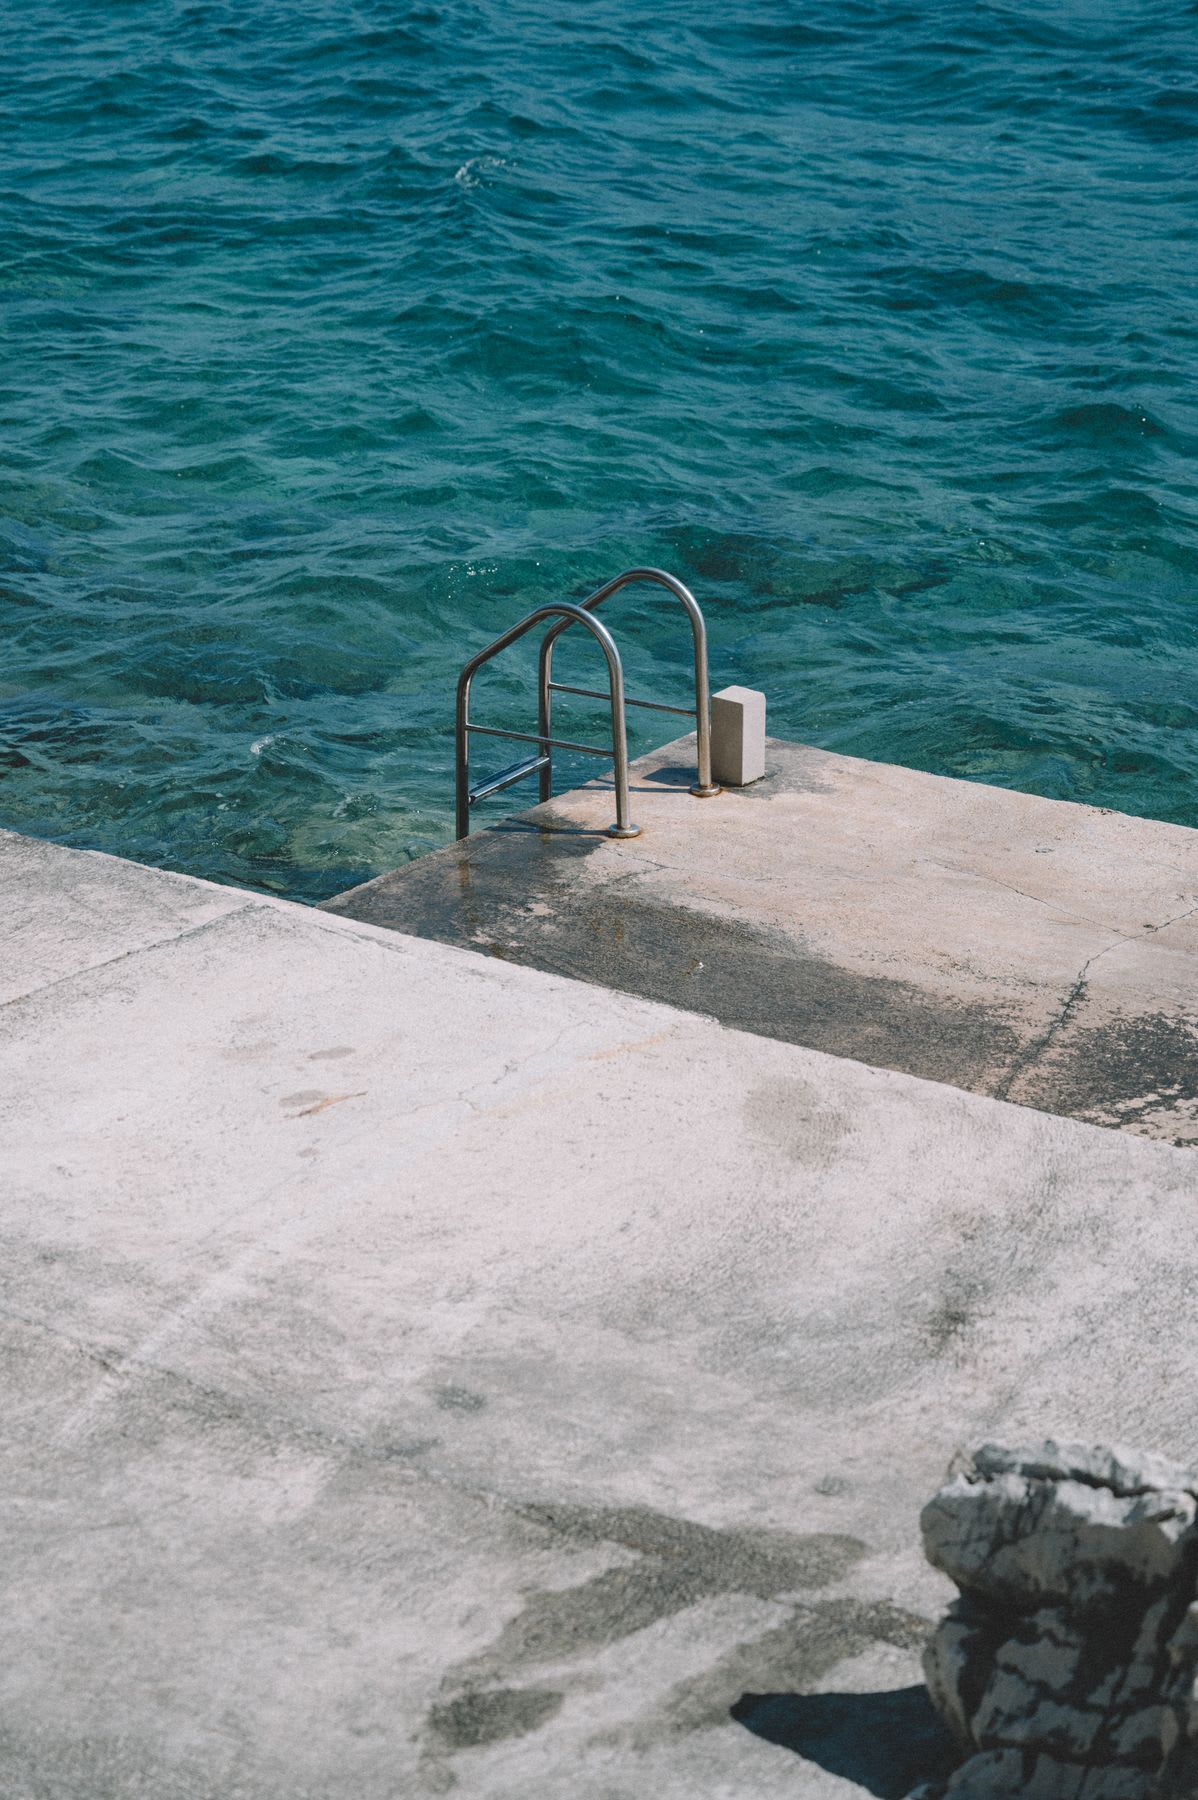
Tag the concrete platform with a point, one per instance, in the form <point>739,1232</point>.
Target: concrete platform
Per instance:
<point>424,1375</point>
<point>1024,948</point>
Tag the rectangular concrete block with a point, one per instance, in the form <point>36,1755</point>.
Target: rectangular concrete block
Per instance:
<point>737,736</point>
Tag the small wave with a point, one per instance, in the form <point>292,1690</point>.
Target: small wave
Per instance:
<point>473,170</point>
<point>278,162</point>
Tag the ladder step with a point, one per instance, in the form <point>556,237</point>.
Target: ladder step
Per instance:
<point>515,772</point>
<point>684,712</point>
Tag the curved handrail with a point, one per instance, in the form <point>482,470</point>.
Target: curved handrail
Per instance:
<point>704,786</point>
<point>568,614</point>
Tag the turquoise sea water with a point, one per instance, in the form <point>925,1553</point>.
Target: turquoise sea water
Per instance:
<point>337,335</point>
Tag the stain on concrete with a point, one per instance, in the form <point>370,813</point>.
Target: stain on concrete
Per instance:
<point>674,1564</point>
<point>474,893</point>
<point>677,1563</point>
<point>949,1322</point>
<point>733,1559</point>
<point>248,1053</point>
<point>793,1655</point>
<point>542,892</point>
<point>1128,1071</point>
<point>487,1715</point>
<point>790,1114</point>
<point>459,1399</point>
<point>993,1258</point>
<point>764,982</point>
<point>960,1306</point>
<point>516,893</point>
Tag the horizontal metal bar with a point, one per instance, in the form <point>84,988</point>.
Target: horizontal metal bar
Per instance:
<point>685,712</point>
<point>528,737</point>
<point>516,772</point>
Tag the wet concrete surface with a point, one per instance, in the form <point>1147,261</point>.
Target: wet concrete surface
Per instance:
<point>1028,949</point>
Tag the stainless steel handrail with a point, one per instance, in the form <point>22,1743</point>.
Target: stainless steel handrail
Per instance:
<point>566,614</point>
<point>704,787</point>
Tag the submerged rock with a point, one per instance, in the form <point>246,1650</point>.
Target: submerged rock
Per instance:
<point>1068,1668</point>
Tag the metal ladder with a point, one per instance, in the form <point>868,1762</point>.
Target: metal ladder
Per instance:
<point>564,615</point>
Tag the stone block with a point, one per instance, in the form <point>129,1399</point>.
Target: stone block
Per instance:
<point>1067,1669</point>
<point>737,736</point>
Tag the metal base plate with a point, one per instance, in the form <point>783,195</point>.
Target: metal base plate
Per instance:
<point>706,793</point>
<point>623,831</point>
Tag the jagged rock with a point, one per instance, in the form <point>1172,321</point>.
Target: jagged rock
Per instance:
<point>1068,1668</point>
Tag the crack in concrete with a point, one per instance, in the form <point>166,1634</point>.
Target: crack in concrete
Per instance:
<point>1176,920</point>
<point>277,1427</point>
<point>306,1112</point>
<point>1064,913</point>
<point>1027,1058</point>
<point>109,962</point>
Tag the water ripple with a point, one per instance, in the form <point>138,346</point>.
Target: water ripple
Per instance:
<point>340,335</point>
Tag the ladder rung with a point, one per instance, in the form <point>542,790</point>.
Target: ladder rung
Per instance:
<point>685,712</point>
<point>530,737</point>
<point>505,778</point>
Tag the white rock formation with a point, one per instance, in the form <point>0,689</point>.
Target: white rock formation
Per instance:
<point>1068,1669</point>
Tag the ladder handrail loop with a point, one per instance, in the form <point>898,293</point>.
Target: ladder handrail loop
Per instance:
<point>564,614</point>
<point>567,614</point>
<point>704,787</point>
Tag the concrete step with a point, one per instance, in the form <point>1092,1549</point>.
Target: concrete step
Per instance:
<point>425,1375</point>
<point>1029,949</point>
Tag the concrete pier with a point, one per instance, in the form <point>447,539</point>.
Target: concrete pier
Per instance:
<point>1023,948</point>
<point>427,1375</point>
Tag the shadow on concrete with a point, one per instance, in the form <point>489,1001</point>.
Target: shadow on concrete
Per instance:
<point>680,775</point>
<point>886,1742</point>
<point>546,828</point>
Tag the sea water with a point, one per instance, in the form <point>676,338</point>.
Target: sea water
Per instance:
<point>338,335</point>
